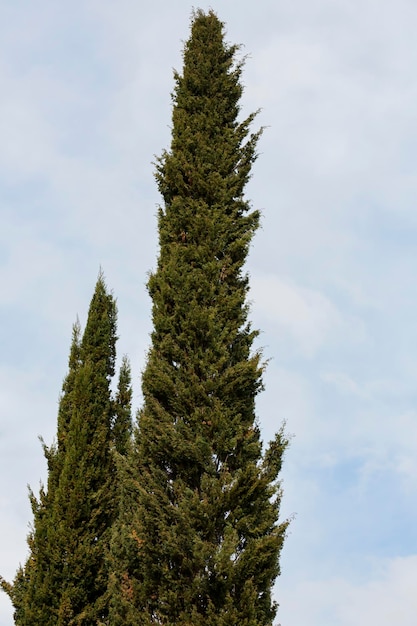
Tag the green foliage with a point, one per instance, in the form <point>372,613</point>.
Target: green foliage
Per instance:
<point>64,581</point>
<point>198,538</point>
<point>179,526</point>
<point>122,422</point>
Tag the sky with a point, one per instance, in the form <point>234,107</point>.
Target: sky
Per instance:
<point>85,108</point>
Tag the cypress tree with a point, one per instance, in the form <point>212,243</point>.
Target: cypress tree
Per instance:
<point>64,581</point>
<point>30,591</point>
<point>122,421</point>
<point>198,538</point>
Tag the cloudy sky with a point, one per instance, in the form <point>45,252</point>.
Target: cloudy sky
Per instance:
<point>84,107</point>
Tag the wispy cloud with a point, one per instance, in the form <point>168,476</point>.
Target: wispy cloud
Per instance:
<point>85,106</point>
<point>305,315</point>
<point>387,598</point>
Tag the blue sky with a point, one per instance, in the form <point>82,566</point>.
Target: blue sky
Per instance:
<point>85,105</point>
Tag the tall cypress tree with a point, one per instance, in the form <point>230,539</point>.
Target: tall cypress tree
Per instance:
<point>64,581</point>
<point>198,538</point>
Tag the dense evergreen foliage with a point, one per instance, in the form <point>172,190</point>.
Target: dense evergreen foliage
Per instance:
<point>180,524</point>
<point>64,581</point>
<point>198,537</point>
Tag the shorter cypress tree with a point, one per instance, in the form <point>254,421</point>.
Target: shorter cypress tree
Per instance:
<point>64,580</point>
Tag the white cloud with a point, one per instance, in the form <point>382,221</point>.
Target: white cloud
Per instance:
<point>27,136</point>
<point>365,426</point>
<point>305,315</point>
<point>337,89</point>
<point>388,442</point>
<point>388,597</point>
<point>344,383</point>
